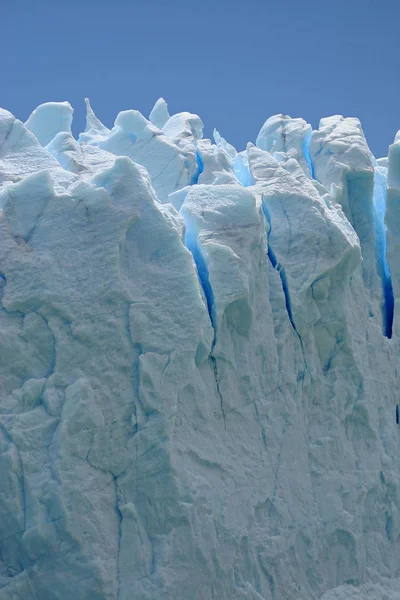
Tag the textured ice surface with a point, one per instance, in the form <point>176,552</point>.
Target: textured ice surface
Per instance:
<point>199,361</point>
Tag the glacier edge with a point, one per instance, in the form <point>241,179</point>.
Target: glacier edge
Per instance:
<point>199,357</point>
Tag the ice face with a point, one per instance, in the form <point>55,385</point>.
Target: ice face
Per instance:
<point>198,361</point>
<point>21,154</point>
<point>95,130</point>
<point>49,119</point>
<point>140,140</point>
<point>159,114</point>
<point>287,138</point>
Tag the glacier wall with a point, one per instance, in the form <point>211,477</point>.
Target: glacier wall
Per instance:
<point>199,354</point>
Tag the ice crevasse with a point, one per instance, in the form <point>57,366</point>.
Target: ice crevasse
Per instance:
<point>199,356</point>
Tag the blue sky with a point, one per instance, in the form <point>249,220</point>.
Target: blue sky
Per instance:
<point>233,63</point>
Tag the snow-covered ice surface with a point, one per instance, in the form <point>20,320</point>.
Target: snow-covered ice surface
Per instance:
<point>199,354</point>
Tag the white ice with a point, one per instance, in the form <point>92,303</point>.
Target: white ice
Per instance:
<point>198,361</point>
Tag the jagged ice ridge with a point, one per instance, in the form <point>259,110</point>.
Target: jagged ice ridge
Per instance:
<point>199,355</point>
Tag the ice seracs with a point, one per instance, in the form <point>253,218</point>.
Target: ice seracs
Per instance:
<point>198,361</point>
<point>159,114</point>
<point>288,138</point>
<point>49,119</point>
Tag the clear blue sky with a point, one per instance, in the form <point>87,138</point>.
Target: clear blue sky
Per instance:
<point>233,63</point>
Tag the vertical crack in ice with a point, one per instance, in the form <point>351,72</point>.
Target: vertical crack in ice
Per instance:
<point>200,167</point>
<point>216,377</point>
<point>380,177</point>
<point>285,287</point>
<point>278,267</point>
<point>120,518</point>
<point>191,241</point>
<point>136,352</point>
<point>306,152</point>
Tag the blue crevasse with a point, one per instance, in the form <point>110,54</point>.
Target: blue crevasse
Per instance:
<point>383,267</point>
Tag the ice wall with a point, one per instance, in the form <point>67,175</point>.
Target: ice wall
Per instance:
<point>198,361</point>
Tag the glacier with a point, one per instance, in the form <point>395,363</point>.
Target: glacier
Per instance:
<point>199,360</point>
